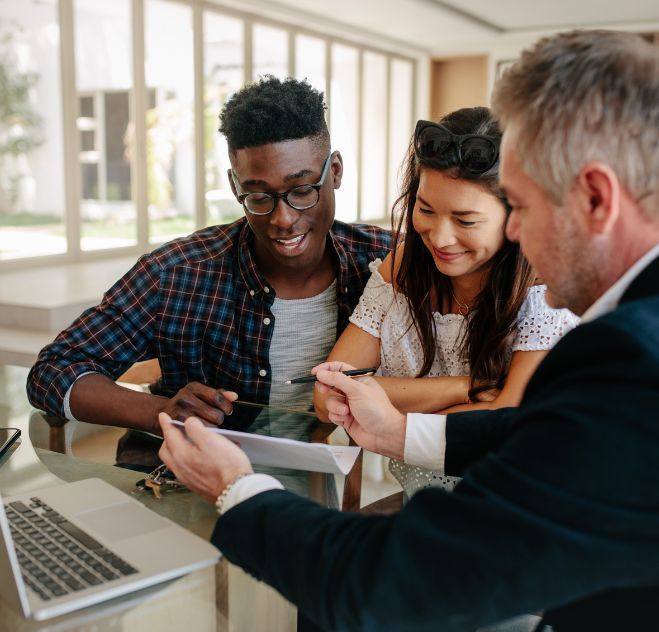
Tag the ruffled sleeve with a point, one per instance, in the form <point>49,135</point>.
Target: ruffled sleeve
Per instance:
<point>539,327</point>
<point>375,302</point>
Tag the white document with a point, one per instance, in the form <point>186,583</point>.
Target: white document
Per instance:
<point>295,455</point>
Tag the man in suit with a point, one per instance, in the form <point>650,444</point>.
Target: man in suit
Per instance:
<point>558,509</point>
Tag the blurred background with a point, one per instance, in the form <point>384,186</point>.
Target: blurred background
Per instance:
<point>108,108</point>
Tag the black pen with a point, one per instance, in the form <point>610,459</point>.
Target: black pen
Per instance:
<point>307,379</point>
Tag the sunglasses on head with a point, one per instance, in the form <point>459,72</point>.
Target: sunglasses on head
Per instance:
<point>442,148</point>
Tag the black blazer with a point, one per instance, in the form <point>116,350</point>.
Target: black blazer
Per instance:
<point>558,510</point>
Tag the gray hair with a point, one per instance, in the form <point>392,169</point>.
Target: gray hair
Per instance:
<point>582,96</point>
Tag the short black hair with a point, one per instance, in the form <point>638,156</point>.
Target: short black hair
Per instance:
<point>271,111</point>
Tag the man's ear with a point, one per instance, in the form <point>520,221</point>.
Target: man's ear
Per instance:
<point>337,169</point>
<point>232,184</point>
<point>598,191</point>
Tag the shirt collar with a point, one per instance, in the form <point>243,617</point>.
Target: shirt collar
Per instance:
<point>248,270</point>
<point>341,258</point>
<point>610,299</point>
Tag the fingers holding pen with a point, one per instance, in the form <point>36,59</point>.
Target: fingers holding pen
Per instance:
<point>334,365</point>
<point>349,386</point>
<point>338,410</point>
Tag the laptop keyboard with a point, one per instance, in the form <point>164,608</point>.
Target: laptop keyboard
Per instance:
<point>57,557</point>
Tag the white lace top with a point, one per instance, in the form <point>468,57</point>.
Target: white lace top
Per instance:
<point>385,315</point>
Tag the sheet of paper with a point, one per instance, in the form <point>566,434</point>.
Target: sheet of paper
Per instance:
<point>295,455</point>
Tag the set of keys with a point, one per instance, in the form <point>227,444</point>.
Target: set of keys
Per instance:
<point>158,481</point>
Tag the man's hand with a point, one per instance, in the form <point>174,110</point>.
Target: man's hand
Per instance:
<point>361,406</point>
<point>198,400</point>
<point>201,459</point>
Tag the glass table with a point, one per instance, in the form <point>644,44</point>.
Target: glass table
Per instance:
<point>52,451</point>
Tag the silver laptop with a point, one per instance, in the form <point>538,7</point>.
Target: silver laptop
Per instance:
<point>78,544</point>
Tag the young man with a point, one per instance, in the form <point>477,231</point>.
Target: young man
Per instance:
<point>558,509</point>
<point>241,307</point>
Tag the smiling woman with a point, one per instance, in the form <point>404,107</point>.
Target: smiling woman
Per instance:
<point>452,317</point>
<point>461,226</point>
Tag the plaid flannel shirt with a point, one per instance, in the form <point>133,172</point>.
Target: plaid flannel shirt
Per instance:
<point>199,305</point>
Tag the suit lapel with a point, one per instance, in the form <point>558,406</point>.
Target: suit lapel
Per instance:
<point>644,285</point>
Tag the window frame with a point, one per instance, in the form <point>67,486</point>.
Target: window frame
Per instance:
<point>138,99</point>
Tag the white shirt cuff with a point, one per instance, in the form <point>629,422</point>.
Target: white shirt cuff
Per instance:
<point>66,404</point>
<point>425,441</point>
<point>247,487</point>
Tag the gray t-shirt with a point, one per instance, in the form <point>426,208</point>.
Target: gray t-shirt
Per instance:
<point>304,334</point>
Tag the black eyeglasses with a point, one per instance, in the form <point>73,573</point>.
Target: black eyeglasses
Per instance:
<point>438,145</point>
<point>301,198</point>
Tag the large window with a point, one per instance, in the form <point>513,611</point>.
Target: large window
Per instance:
<point>32,220</point>
<point>401,85</point>
<point>344,127</point>
<point>270,51</point>
<point>169,74</point>
<point>104,79</point>
<point>310,60</point>
<point>374,137</point>
<point>224,73</point>
<point>109,138</point>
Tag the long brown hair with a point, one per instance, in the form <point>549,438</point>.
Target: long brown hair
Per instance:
<point>493,319</point>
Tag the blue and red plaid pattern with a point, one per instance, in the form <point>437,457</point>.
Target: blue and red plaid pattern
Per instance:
<point>198,304</point>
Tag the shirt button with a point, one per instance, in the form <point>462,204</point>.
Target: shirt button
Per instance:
<point>251,292</point>
<point>345,290</point>
<point>263,372</point>
<point>266,321</point>
<point>266,290</point>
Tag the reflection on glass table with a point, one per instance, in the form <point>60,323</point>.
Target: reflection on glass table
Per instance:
<point>138,451</point>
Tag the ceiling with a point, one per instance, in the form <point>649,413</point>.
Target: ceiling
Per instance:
<point>439,26</point>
